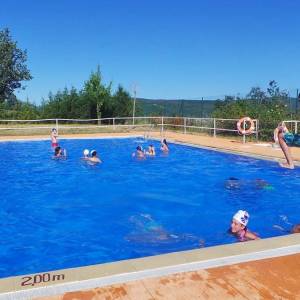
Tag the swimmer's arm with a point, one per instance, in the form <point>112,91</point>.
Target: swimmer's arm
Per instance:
<point>251,236</point>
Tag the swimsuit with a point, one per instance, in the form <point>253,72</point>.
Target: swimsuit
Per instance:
<point>241,235</point>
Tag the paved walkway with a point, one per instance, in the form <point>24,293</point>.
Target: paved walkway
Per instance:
<point>256,148</point>
<point>277,278</point>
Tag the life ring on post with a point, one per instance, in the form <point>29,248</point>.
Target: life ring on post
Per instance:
<point>240,126</point>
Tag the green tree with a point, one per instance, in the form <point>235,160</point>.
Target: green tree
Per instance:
<point>95,93</point>
<point>275,93</point>
<point>13,69</point>
<point>269,107</point>
<point>257,94</point>
<point>122,103</point>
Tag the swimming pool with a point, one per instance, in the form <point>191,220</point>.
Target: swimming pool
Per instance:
<point>62,214</point>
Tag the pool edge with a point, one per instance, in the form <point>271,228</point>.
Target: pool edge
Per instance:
<point>153,266</point>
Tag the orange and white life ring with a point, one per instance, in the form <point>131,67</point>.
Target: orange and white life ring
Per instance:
<point>240,126</point>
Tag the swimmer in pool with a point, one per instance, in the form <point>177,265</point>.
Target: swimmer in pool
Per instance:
<point>86,153</point>
<point>263,184</point>
<point>239,227</point>
<point>59,153</point>
<point>232,183</point>
<point>139,153</point>
<point>94,158</point>
<point>151,151</point>
<point>164,146</point>
<point>147,230</point>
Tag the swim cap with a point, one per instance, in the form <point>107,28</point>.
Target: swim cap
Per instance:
<point>93,151</point>
<point>242,217</point>
<point>86,152</point>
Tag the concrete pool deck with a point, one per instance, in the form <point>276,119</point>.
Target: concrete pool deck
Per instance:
<point>264,269</point>
<point>253,280</point>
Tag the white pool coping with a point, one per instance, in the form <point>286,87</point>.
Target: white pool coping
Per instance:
<point>154,266</point>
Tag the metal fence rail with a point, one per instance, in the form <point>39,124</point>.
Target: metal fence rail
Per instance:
<point>183,124</point>
<point>293,125</point>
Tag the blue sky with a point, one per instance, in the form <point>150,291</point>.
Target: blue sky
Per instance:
<point>169,49</point>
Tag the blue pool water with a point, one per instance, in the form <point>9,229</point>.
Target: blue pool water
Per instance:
<point>62,214</point>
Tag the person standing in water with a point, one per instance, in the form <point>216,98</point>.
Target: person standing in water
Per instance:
<point>284,147</point>
<point>94,157</point>
<point>151,151</point>
<point>164,146</point>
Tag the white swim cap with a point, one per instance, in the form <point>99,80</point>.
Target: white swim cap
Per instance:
<point>86,152</point>
<point>242,217</point>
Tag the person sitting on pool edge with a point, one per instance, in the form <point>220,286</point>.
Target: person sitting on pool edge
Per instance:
<point>139,153</point>
<point>59,153</point>
<point>151,151</point>
<point>94,158</point>
<point>164,146</point>
<point>239,227</point>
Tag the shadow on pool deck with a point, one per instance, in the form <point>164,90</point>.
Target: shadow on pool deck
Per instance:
<point>275,278</point>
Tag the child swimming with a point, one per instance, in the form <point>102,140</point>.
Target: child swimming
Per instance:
<point>86,153</point>
<point>239,227</point>
<point>59,153</point>
<point>151,151</point>
<point>94,158</point>
<point>164,146</point>
<point>139,153</point>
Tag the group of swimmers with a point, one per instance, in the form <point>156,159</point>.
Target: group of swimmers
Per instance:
<point>240,220</point>
<point>141,153</point>
<point>92,156</point>
<point>60,153</point>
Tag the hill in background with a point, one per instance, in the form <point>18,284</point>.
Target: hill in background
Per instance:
<point>171,108</point>
<point>189,108</point>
